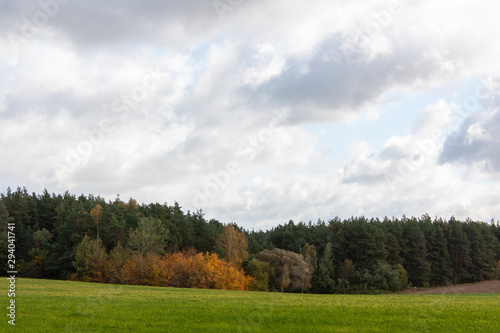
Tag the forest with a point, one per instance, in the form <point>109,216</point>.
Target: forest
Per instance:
<point>87,238</point>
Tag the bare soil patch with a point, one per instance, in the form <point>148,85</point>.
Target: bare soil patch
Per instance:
<point>492,286</point>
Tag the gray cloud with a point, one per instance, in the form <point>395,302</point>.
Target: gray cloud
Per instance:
<point>112,22</point>
<point>223,82</point>
<point>332,83</point>
<point>477,140</point>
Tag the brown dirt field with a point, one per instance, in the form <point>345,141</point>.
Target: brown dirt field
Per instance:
<point>492,286</point>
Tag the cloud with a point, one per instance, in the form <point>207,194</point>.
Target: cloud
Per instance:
<point>104,24</point>
<point>403,156</point>
<point>407,177</point>
<point>159,100</point>
<point>475,142</point>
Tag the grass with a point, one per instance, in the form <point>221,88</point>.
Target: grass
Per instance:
<point>65,306</point>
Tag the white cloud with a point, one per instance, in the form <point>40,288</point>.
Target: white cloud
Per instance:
<point>476,132</point>
<point>406,176</point>
<point>152,100</point>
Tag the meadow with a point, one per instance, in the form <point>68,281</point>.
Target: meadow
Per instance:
<point>66,306</point>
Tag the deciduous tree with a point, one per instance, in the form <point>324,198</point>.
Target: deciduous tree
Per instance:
<point>91,260</point>
<point>96,216</point>
<point>262,272</point>
<point>292,272</point>
<point>148,238</point>
<point>234,245</point>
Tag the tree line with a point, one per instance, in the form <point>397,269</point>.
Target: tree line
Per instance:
<point>90,239</point>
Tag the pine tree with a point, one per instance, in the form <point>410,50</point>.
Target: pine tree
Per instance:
<point>458,249</point>
<point>415,254</point>
<point>5,219</point>
<point>437,252</point>
<point>323,277</point>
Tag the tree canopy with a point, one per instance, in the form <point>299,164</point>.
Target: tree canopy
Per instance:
<point>88,238</point>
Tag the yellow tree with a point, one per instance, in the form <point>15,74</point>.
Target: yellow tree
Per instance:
<point>96,216</point>
<point>234,245</point>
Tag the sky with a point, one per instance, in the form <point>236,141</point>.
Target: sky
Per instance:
<point>256,112</point>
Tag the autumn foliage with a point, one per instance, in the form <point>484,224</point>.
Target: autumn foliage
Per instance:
<point>186,269</point>
<point>234,244</point>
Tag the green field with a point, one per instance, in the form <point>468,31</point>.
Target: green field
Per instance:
<point>64,306</point>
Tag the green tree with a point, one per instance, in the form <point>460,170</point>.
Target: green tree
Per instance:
<point>18,205</point>
<point>415,254</point>
<point>458,249</point>
<point>362,242</point>
<point>46,210</point>
<point>437,251</point>
<point>91,260</point>
<point>323,277</point>
<point>262,272</point>
<point>67,237</point>
<point>393,231</point>
<point>148,238</point>
<point>5,219</point>
<point>118,256</point>
<point>482,251</point>
<point>381,277</point>
<point>38,254</point>
<point>113,228</point>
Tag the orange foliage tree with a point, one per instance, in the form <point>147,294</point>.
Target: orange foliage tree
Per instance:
<point>148,273</point>
<point>189,269</point>
<point>186,269</point>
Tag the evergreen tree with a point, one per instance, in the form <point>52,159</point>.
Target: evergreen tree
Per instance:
<point>5,219</point>
<point>323,277</point>
<point>91,260</point>
<point>458,249</point>
<point>362,242</point>
<point>365,253</point>
<point>437,252</point>
<point>18,205</point>
<point>393,231</point>
<point>414,253</point>
<point>482,252</point>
